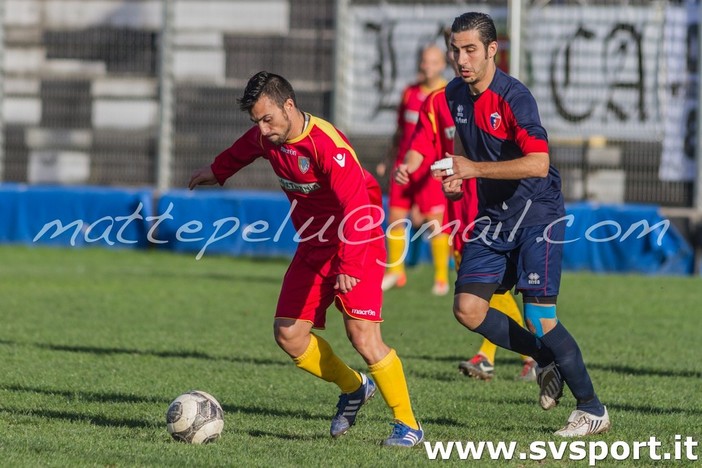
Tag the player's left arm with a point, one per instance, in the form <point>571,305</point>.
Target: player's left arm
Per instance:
<point>530,137</point>
<point>347,180</point>
<point>530,165</point>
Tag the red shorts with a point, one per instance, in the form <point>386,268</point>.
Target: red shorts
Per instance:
<point>308,286</point>
<point>423,190</point>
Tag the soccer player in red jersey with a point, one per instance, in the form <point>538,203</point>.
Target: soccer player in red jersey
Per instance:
<point>433,138</point>
<point>422,191</point>
<point>337,210</point>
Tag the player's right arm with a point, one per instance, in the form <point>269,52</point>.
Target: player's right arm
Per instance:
<point>203,176</point>
<point>243,152</point>
<point>391,155</point>
<point>413,160</point>
<point>424,141</point>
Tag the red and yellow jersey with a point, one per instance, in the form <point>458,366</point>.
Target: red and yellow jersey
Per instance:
<point>408,116</point>
<point>332,197</point>
<point>433,138</point>
<point>433,135</point>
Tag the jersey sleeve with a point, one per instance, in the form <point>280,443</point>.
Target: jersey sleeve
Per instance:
<point>424,139</point>
<point>243,152</point>
<point>529,134</point>
<point>401,109</point>
<point>348,182</point>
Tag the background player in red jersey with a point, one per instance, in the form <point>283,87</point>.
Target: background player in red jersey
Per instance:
<point>433,138</point>
<point>422,190</point>
<point>341,258</point>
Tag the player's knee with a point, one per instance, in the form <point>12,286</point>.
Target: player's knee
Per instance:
<point>288,338</point>
<point>540,315</point>
<point>469,310</point>
<point>367,341</point>
<point>361,342</point>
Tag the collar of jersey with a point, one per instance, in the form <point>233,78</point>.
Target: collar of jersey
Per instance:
<point>305,132</point>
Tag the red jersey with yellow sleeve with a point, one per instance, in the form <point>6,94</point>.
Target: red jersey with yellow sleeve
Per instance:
<point>333,198</point>
<point>433,138</point>
<point>408,116</point>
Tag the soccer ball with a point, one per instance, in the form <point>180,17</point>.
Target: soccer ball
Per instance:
<point>195,417</point>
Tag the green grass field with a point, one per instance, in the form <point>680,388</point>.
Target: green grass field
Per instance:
<point>94,344</point>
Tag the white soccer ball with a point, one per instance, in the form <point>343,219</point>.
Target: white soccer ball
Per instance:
<point>195,417</point>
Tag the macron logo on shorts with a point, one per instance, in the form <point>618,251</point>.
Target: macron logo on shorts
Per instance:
<point>363,312</point>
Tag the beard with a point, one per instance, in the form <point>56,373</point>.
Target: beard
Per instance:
<point>282,137</point>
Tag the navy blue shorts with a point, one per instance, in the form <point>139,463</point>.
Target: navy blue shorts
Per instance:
<point>531,261</point>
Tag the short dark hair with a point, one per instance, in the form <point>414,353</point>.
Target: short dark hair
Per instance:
<point>277,88</point>
<point>479,21</point>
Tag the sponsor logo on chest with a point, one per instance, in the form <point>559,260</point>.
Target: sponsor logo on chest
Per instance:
<point>290,186</point>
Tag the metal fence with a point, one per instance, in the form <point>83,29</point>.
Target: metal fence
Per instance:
<point>142,92</point>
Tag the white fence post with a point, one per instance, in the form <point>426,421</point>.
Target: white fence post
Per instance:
<point>2,90</point>
<point>697,202</point>
<point>514,22</point>
<point>339,114</point>
<point>165,137</point>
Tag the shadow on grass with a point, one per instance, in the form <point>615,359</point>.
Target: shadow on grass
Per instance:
<point>100,397</point>
<point>96,420</point>
<point>288,436</point>
<point>647,372</point>
<point>273,412</point>
<point>96,350</point>
<point>653,410</point>
<point>116,397</point>
<point>615,368</point>
<point>216,276</point>
<point>443,422</point>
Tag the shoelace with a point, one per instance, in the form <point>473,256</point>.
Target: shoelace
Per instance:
<point>343,400</point>
<point>398,431</point>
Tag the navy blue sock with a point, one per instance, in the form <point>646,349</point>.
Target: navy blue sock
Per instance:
<point>505,332</point>
<point>570,363</point>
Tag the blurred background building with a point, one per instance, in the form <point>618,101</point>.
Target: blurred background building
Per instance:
<point>141,92</point>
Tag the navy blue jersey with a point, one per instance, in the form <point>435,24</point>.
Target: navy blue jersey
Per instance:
<point>502,124</point>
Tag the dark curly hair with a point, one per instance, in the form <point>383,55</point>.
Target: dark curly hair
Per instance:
<point>277,88</point>
<point>481,22</point>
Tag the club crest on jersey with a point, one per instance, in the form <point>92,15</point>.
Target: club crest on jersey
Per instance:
<point>495,120</point>
<point>303,163</point>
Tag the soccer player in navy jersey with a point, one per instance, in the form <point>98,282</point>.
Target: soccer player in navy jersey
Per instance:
<point>338,261</point>
<point>432,139</point>
<point>518,233</point>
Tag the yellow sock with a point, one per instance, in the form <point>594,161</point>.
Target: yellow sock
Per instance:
<point>397,243</point>
<point>319,360</point>
<point>506,304</point>
<point>440,251</point>
<point>488,349</point>
<point>390,379</point>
